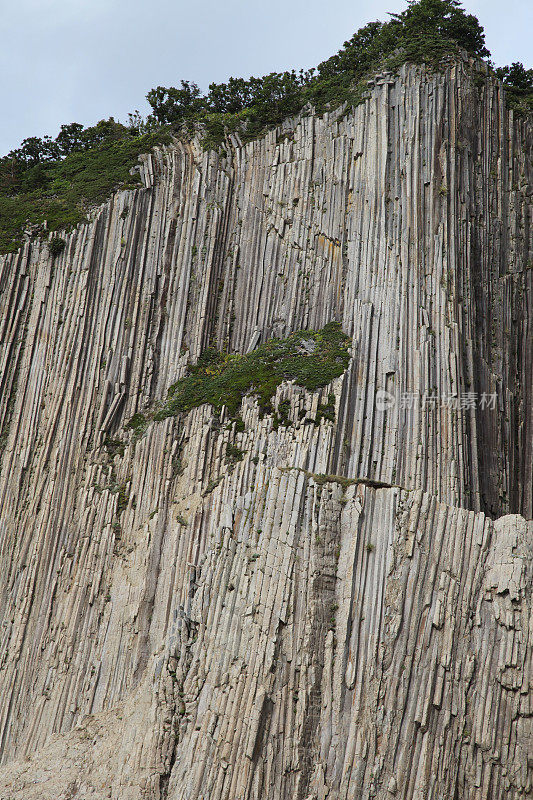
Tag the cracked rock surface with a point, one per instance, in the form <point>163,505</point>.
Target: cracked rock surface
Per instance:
<point>346,611</point>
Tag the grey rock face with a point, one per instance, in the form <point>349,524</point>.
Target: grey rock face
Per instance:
<point>346,612</point>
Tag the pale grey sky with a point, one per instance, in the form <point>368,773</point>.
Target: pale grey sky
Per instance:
<point>83,60</point>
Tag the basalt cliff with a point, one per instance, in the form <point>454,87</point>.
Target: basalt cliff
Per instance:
<point>314,606</point>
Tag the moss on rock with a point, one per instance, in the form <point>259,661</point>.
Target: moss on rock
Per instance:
<point>310,358</point>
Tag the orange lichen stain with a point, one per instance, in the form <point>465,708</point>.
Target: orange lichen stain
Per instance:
<point>331,246</point>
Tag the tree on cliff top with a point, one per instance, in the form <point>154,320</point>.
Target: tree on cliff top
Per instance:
<point>425,32</point>
<point>56,179</point>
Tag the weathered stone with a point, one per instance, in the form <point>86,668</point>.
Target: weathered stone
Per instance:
<point>346,612</point>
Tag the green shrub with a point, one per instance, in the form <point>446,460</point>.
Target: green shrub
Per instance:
<point>114,446</point>
<point>282,415</point>
<point>311,358</point>
<point>138,424</point>
<point>56,247</point>
<point>326,410</point>
<point>234,454</point>
<point>239,425</point>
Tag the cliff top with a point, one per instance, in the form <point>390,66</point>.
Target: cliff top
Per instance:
<point>48,184</point>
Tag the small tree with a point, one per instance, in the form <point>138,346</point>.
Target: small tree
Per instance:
<point>107,130</point>
<point>174,105</point>
<point>70,138</point>
<point>230,97</point>
<point>518,82</point>
<point>516,77</point>
<point>35,150</point>
<point>440,24</point>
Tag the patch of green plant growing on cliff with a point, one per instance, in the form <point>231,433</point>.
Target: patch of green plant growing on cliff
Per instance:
<point>310,358</point>
<point>56,247</point>
<point>123,498</point>
<point>282,415</point>
<point>37,186</point>
<point>115,447</point>
<point>138,424</point>
<point>234,453</point>
<point>326,410</point>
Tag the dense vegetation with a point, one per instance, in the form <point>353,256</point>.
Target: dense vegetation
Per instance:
<point>518,82</point>
<point>425,32</point>
<point>311,358</point>
<point>58,179</point>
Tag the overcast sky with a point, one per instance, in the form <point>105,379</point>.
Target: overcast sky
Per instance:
<point>84,60</point>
